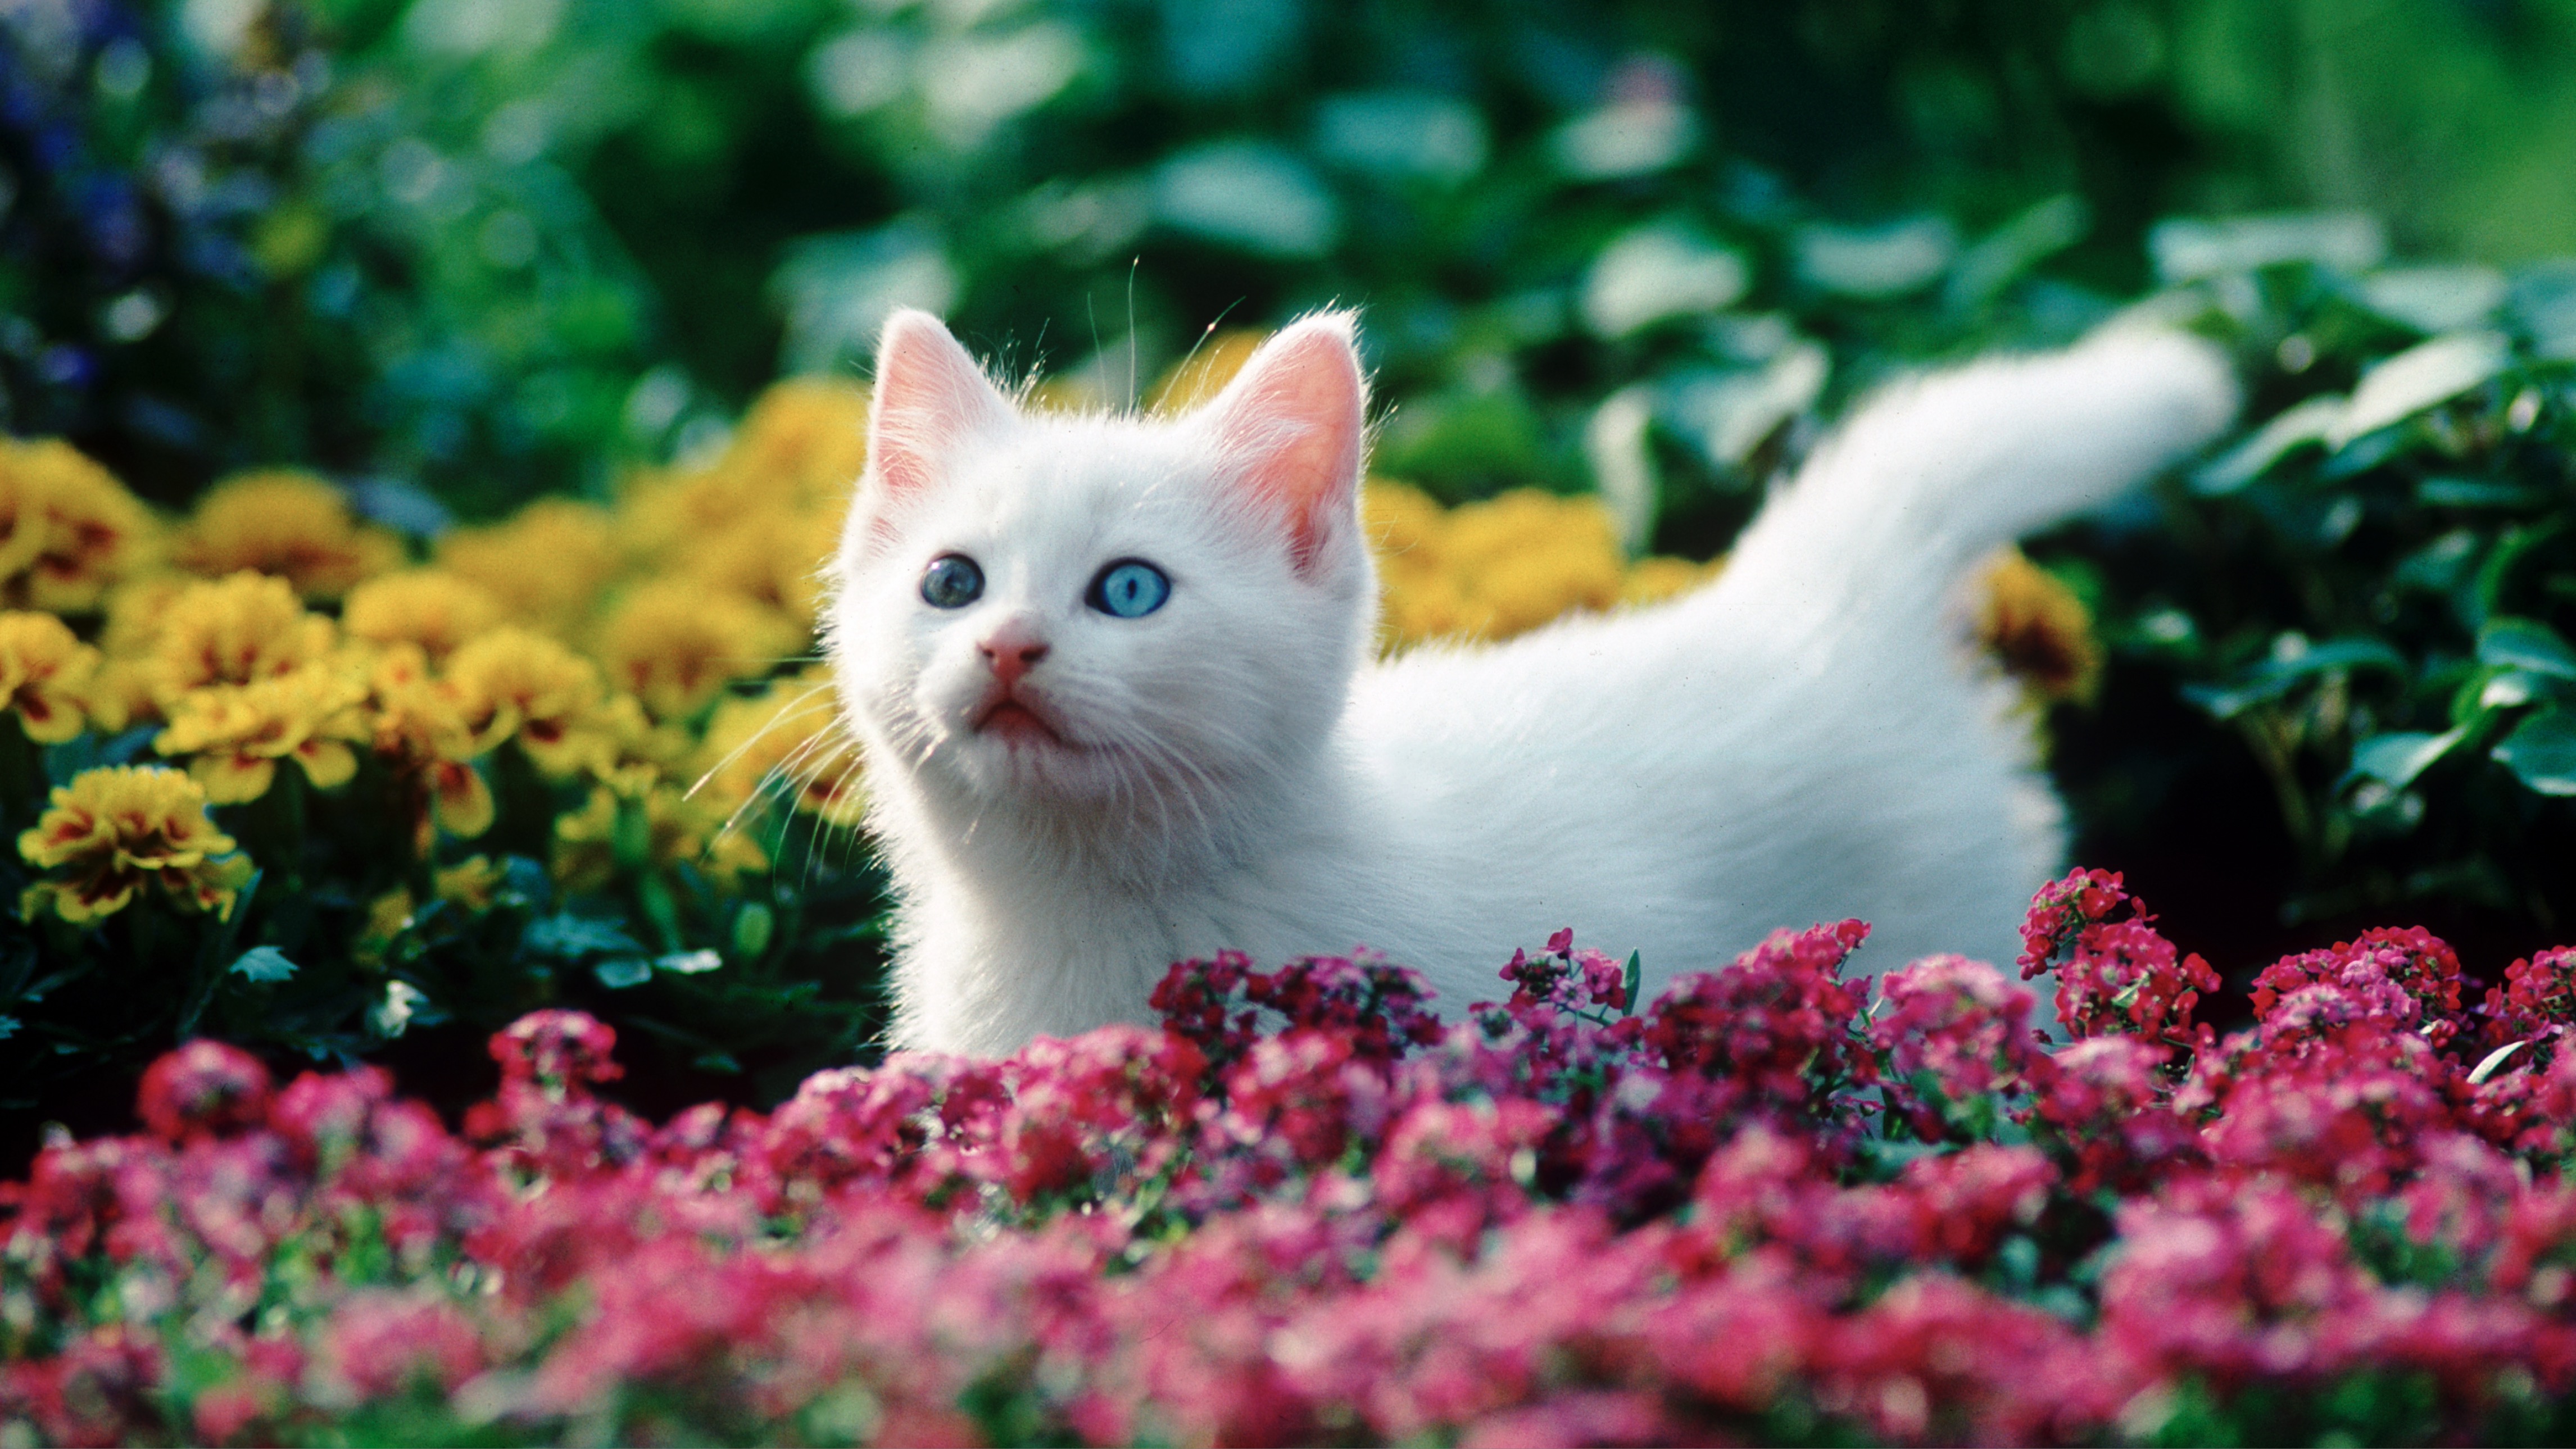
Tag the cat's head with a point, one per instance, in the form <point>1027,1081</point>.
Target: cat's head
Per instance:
<point>1104,612</point>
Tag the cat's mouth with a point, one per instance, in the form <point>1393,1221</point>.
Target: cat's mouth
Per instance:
<point>1012,721</point>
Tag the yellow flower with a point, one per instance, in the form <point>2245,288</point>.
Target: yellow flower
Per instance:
<point>471,883</point>
<point>112,829</point>
<point>1504,566</point>
<point>545,565</point>
<point>657,830</point>
<point>2041,631</point>
<point>1653,580</point>
<point>674,643</point>
<point>1403,522</point>
<point>515,682</point>
<point>631,753</point>
<point>286,523</point>
<point>235,630</point>
<point>388,916</point>
<point>810,431</point>
<point>45,673</point>
<point>774,559</point>
<point>791,736</point>
<point>234,734</point>
<point>1532,556</point>
<point>68,529</point>
<point>428,731</point>
<point>432,608</point>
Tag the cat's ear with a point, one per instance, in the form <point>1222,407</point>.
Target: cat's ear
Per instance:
<point>1290,429</point>
<point>929,394</point>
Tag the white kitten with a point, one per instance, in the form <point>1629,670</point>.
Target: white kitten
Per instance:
<point>1114,680</point>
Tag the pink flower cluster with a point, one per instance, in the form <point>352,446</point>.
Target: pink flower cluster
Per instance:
<point>1773,1204</point>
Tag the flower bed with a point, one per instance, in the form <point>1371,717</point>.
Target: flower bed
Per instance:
<point>1774,1204</point>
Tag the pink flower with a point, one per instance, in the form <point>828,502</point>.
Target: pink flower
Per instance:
<point>1951,1032</point>
<point>2408,975</point>
<point>557,1050</point>
<point>380,1344</point>
<point>205,1088</point>
<point>2537,1000</point>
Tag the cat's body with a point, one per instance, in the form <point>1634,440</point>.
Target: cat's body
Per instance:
<point>1071,799</point>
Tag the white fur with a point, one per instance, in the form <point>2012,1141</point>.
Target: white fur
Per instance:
<point>1802,740</point>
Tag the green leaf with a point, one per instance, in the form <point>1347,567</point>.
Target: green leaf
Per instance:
<point>2526,644</point>
<point>2476,493</point>
<point>619,972</point>
<point>568,937</point>
<point>2541,752</point>
<point>2291,664</point>
<point>1636,978</point>
<point>753,926</point>
<point>8,1027</point>
<point>263,963</point>
<point>2305,424</point>
<point>2421,377</point>
<point>1876,262</point>
<point>1659,271</point>
<point>688,963</point>
<point>2395,759</point>
<point>2434,299</point>
<point>2494,1061</point>
<point>2187,249</point>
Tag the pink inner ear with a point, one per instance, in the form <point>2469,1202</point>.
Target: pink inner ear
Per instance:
<point>1291,424</point>
<point>929,394</point>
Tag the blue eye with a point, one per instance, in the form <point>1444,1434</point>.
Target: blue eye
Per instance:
<point>952,582</point>
<point>1129,589</point>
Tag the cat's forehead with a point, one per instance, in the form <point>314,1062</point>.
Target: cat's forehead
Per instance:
<point>1073,478</point>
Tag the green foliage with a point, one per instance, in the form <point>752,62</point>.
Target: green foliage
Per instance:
<point>459,254</point>
<point>2370,592</point>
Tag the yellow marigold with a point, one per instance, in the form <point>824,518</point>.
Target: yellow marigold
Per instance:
<point>45,673</point>
<point>657,830</point>
<point>630,753</point>
<point>1403,522</point>
<point>1653,580</point>
<point>773,558</point>
<point>472,883</point>
<point>516,682</point>
<point>432,608</point>
<point>138,607</point>
<point>234,734</point>
<point>235,630</point>
<point>545,565</point>
<point>428,731</point>
<point>1532,556</point>
<point>286,523</point>
<point>68,529</point>
<point>810,431</point>
<point>791,737</point>
<point>674,643</point>
<point>111,830</point>
<point>2041,631</point>
<point>1503,566</point>
<point>388,916</point>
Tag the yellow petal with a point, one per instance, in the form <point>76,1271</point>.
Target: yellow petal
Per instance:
<point>329,764</point>
<point>232,779</point>
<point>464,802</point>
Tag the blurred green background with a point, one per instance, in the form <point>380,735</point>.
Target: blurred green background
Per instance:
<point>495,247</point>
<point>456,254</point>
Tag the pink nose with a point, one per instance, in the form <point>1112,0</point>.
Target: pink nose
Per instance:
<point>1010,650</point>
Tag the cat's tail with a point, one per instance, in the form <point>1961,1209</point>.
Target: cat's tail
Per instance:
<point>1936,472</point>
